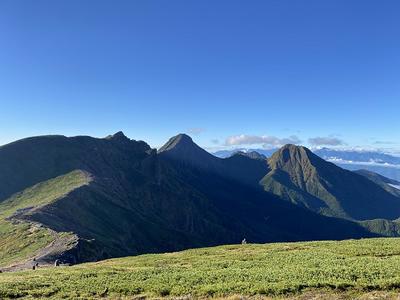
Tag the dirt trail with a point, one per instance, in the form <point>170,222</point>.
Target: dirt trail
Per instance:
<point>46,256</point>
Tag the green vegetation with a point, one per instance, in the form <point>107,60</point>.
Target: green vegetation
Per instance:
<point>382,226</point>
<point>382,181</point>
<point>279,269</point>
<point>179,198</point>
<point>21,239</point>
<point>301,177</point>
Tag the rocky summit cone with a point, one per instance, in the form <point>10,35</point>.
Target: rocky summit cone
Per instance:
<point>181,141</point>
<point>240,167</point>
<point>291,156</point>
<point>181,147</point>
<point>305,179</point>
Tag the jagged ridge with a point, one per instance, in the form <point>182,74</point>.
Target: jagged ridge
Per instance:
<point>140,201</point>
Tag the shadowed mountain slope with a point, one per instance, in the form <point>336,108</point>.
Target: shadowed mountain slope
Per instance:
<point>115,196</point>
<point>390,185</point>
<point>32,160</point>
<point>251,154</point>
<point>305,179</point>
<point>20,238</point>
<point>239,167</point>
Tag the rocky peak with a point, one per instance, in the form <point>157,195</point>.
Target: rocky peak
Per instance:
<point>119,136</point>
<point>181,141</point>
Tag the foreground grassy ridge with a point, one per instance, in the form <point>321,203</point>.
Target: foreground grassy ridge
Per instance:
<point>271,269</point>
<point>19,240</point>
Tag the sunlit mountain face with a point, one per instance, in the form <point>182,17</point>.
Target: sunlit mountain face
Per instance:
<point>382,163</point>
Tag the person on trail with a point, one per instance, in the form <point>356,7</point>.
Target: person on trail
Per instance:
<point>35,264</point>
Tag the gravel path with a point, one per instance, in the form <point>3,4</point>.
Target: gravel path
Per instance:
<point>46,256</point>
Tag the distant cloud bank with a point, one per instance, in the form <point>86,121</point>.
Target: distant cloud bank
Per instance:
<point>384,143</point>
<point>244,139</point>
<point>325,141</point>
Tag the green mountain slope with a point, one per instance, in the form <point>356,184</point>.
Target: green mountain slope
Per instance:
<point>21,239</point>
<point>382,227</point>
<point>363,269</point>
<point>303,178</point>
<point>389,185</point>
<point>128,199</point>
<point>42,158</point>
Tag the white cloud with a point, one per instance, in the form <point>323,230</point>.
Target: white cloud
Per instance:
<point>265,140</point>
<point>361,163</point>
<point>325,141</point>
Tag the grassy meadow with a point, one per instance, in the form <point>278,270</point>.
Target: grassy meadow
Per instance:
<point>18,240</point>
<point>348,269</point>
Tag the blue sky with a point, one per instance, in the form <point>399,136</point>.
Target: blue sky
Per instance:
<point>227,72</point>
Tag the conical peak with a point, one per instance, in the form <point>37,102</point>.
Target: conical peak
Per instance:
<point>290,154</point>
<point>182,137</point>
<point>295,150</point>
<point>293,147</point>
<point>179,141</point>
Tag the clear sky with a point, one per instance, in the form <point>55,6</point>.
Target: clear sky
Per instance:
<point>226,72</point>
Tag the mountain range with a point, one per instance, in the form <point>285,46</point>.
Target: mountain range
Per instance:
<point>81,198</point>
<point>387,165</point>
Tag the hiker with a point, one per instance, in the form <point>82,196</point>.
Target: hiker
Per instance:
<point>35,264</point>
